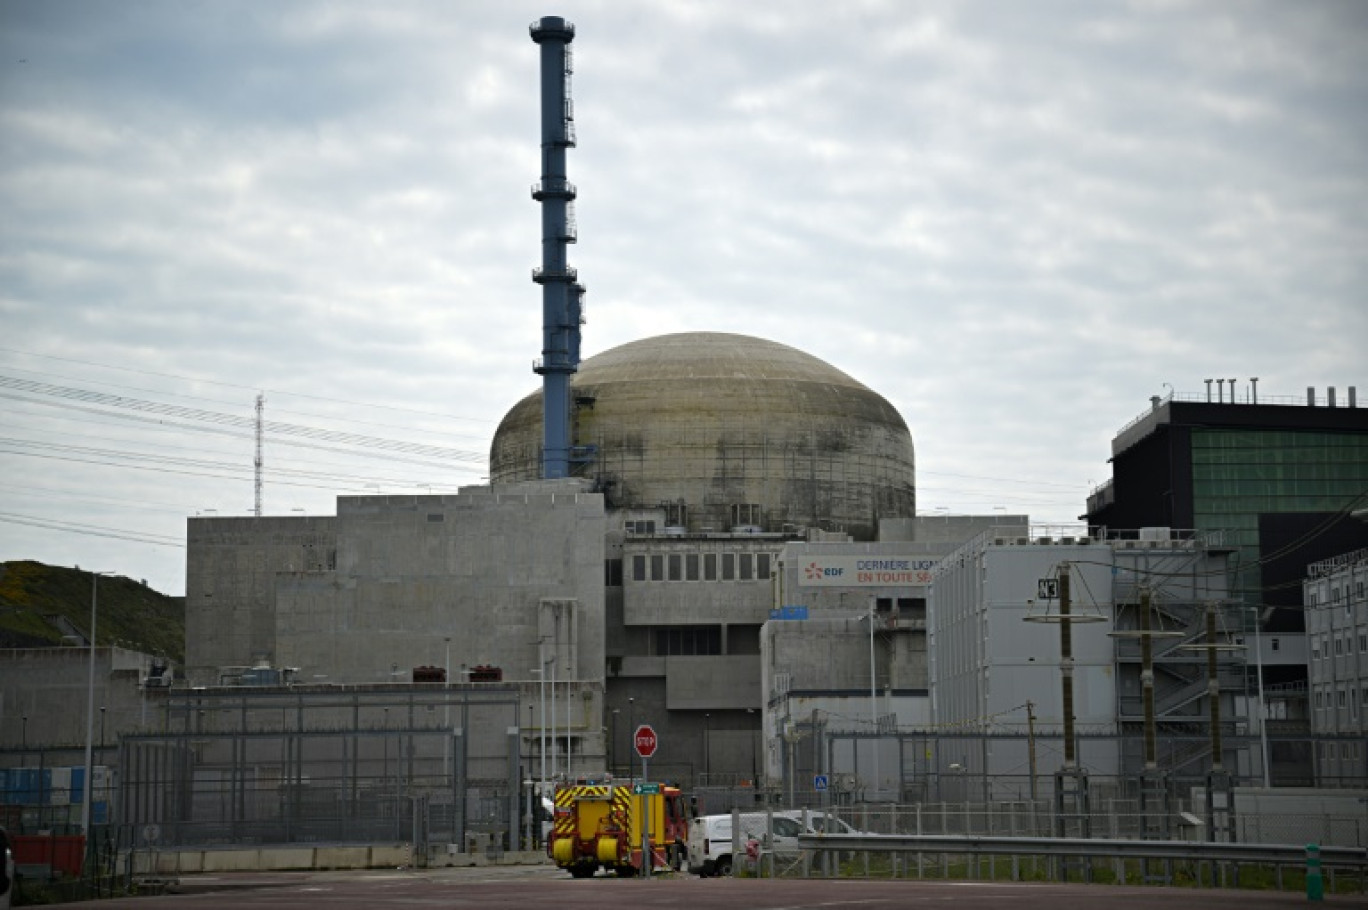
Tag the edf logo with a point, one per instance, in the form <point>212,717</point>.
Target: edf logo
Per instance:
<point>815,572</point>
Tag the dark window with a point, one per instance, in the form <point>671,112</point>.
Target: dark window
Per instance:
<point>657,567</point>
<point>691,567</point>
<point>746,562</point>
<point>743,639</point>
<point>676,567</point>
<point>745,514</point>
<point>639,567</point>
<point>912,608</point>
<point>728,566</point>
<point>676,514</point>
<point>883,604</point>
<point>687,641</point>
<point>710,567</point>
<point>762,565</point>
<point>612,573</point>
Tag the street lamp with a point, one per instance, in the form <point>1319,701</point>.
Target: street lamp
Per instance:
<point>873,695</point>
<point>446,707</point>
<point>873,692</point>
<point>707,746</point>
<point>551,664</point>
<point>90,709</point>
<point>541,730</point>
<point>755,773</point>
<point>612,739</point>
<point>1263,706</point>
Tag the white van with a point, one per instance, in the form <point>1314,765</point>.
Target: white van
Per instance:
<point>819,822</point>
<point>712,846</point>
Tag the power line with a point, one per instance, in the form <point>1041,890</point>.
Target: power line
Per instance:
<point>160,540</point>
<point>230,385</point>
<point>155,462</point>
<point>233,420</point>
<point>168,426</point>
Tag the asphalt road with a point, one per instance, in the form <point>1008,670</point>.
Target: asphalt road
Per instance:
<point>544,887</point>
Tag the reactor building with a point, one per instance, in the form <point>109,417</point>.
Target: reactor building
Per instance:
<point>649,510</point>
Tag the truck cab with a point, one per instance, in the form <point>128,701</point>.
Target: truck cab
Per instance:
<point>603,825</point>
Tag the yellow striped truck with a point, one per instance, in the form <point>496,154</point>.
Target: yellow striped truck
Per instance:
<point>602,825</point>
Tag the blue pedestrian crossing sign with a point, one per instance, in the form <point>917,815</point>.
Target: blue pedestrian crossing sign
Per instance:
<point>819,782</point>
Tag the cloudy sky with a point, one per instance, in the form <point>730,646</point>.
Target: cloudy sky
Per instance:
<point>1016,221</point>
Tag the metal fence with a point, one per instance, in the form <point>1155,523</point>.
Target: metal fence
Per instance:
<point>937,765</point>
<point>1112,818</point>
<point>363,765</point>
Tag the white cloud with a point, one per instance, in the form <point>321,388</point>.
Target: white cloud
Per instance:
<point>1016,222</point>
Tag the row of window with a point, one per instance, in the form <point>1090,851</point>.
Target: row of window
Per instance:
<point>1344,645</point>
<point>743,515</point>
<point>704,640</point>
<point>701,566</point>
<point>1341,698</point>
<point>689,640</point>
<point>1340,596</point>
<point>1347,751</point>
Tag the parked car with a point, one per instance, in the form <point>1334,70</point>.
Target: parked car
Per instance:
<point>712,846</point>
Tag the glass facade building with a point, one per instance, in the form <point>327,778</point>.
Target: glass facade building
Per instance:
<point>1241,474</point>
<point>1277,483</point>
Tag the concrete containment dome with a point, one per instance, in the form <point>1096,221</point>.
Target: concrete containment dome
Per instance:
<point>718,432</point>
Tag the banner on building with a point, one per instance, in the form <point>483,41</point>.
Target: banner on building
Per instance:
<point>865,571</point>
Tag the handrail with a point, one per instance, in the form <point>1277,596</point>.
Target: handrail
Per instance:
<point>1216,851</point>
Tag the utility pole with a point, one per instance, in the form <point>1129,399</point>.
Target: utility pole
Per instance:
<point>1147,680</point>
<point>1066,667</point>
<point>1071,780</point>
<point>1030,744</point>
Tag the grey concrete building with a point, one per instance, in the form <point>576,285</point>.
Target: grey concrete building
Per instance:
<point>509,577</point>
<point>846,652</point>
<point>44,693</point>
<point>701,460</point>
<point>996,647</point>
<point>1336,598</point>
<point>714,453</point>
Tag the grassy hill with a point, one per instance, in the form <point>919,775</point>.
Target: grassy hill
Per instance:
<point>44,606</point>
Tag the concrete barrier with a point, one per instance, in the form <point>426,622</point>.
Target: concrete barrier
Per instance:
<point>333,856</point>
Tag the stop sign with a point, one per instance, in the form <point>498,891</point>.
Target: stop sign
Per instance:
<point>645,741</point>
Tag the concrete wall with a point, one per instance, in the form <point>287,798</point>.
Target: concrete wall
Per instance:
<point>232,567</point>
<point>509,576</point>
<point>987,658</point>
<point>395,582</point>
<point>712,683</point>
<point>951,529</point>
<point>658,600</point>
<point>48,686</point>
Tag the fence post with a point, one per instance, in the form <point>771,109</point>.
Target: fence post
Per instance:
<point>1315,886</point>
<point>921,871</point>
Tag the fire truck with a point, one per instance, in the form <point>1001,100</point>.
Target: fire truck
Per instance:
<point>603,825</point>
